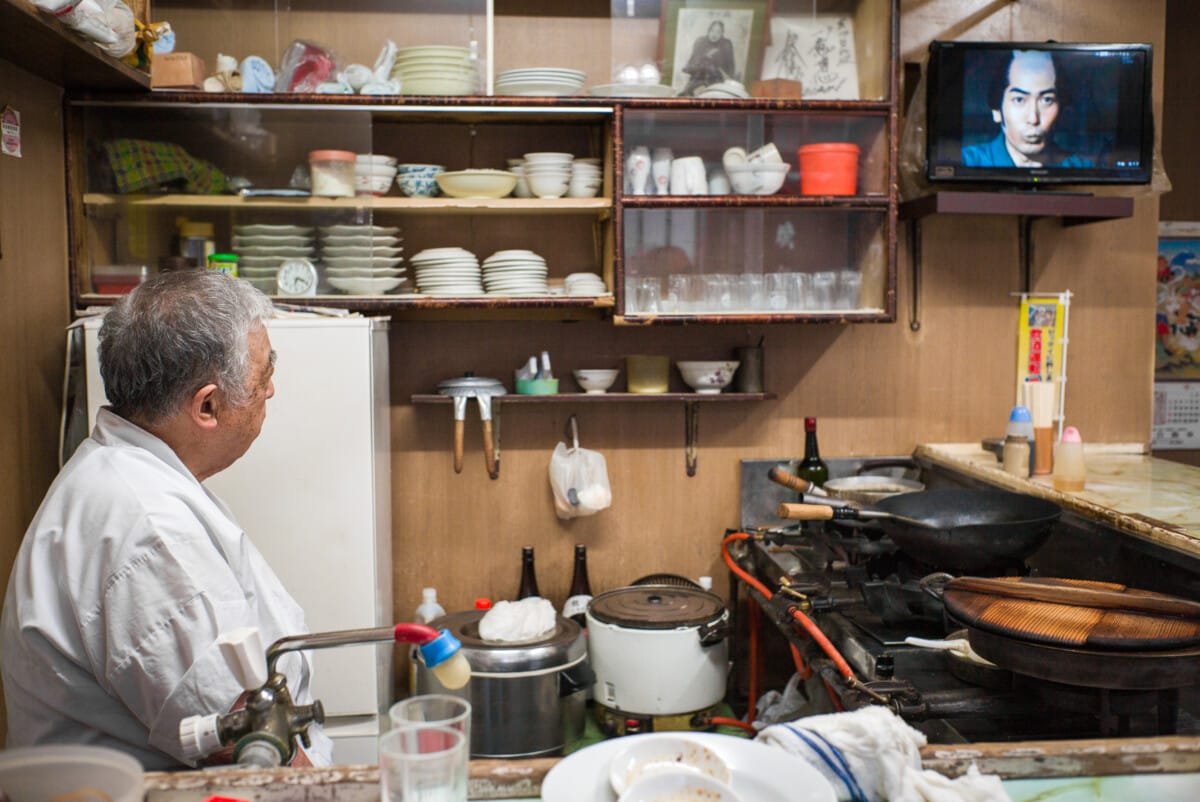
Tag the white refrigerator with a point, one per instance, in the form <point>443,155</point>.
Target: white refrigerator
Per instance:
<point>314,494</point>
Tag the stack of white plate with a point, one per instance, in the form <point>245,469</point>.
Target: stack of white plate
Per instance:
<point>448,272</point>
<point>540,81</point>
<point>261,248</point>
<point>515,272</point>
<point>724,89</point>
<point>362,259</point>
<point>585,284</point>
<point>436,70</point>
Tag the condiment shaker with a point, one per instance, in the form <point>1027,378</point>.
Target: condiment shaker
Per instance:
<point>1069,470</point>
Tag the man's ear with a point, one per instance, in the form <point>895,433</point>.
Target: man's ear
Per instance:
<point>204,406</point>
<point>997,118</point>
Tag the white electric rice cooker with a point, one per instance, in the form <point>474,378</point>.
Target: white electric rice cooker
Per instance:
<point>527,698</point>
<point>660,655</point>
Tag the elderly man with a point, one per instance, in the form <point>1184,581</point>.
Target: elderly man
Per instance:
<point>131,569</point>
<point>1025,104</point>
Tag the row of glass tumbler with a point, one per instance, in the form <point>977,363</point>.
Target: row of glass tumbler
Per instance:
<point>717,293</point>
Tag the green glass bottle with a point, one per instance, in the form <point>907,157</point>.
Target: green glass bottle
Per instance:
<point>812,467</point>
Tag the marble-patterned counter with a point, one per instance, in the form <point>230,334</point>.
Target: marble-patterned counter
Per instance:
<point>1126,488</point>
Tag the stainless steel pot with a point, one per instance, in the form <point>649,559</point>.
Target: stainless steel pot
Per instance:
<point>658,650</point>
<point>528,698</point>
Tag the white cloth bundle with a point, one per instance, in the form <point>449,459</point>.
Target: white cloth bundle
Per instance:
<point>871,755</point>
<point>524,620</point>
<point>107,23</point>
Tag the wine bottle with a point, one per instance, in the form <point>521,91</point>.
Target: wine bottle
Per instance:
<point>529,585</point>
<point>812,467</point>
<point>580,594</point>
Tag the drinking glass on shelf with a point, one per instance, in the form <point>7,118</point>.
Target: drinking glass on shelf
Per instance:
<point>749,295</point>
<point>678,298</point>
<point>423,762</point>
<point>648,295</point>
<point>776,290</point>
<point>849,286</point>
<point>824,286</point>
<point>718,292</point>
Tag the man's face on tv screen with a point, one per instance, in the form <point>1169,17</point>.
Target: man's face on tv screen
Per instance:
<point>1029,106</point>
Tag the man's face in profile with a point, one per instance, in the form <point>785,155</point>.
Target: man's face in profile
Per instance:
<point>1029,106</point>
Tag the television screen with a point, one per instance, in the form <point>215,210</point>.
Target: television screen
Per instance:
<point>1039,113</point>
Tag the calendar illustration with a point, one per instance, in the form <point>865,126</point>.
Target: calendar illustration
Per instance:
<point>1176,415</point>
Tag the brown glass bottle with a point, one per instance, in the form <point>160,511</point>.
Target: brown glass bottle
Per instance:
<point>580,594</point>
<point>529,585</point>
<point>812,467</point>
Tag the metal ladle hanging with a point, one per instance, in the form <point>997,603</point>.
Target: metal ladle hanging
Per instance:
<point>482,390</point>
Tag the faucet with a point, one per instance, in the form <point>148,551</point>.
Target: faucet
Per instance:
<point>264,731</point>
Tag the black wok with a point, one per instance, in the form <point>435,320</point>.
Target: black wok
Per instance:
<point>955,530</point>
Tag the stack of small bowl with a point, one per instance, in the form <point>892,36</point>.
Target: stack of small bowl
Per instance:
<point>548,175</point>
<point>419,180</point>
<point>373,174</point>
<point>585,178</point>
<point>435,70</point>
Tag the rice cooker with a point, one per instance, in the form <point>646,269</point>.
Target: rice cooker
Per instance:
<point>660,655</point>
<point>527,698</point>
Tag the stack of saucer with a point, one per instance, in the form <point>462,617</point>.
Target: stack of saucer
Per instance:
<point>515,272</point>
<point>261,248</point>
<point>540,81</point>
<point>436,70</point>
<point>585,284</point>
<point>447,272</point>
<point>362,259</point>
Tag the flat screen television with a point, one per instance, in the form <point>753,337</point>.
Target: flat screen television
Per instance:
<point>1033,113</point>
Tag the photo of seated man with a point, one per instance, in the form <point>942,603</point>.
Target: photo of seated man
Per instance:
<point>1026,100</point>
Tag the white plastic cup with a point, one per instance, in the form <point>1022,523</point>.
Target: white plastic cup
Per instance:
<point>423,762</point>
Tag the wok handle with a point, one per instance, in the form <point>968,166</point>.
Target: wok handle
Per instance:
<point>1079,596</point>
<point>792,482</point>
<point>489,450</point>
<point>814,512</point>
<point>459,425</point>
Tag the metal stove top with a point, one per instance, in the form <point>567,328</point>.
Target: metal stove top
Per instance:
<point>867,598</point>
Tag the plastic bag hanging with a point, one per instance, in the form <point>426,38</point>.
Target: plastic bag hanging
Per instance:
<point>578,477</point>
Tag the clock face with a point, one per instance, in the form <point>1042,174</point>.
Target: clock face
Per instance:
<point>297,277</point>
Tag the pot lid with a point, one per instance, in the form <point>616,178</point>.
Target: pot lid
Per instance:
<point>470,383</point>
<point>656,607</point>
<point>562,645</point>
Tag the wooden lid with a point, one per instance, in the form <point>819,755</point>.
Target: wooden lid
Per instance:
<point>1074,613</point>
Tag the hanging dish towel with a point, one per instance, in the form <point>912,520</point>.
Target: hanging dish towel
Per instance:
<point>871,755</point>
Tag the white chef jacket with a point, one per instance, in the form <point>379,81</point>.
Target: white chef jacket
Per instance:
<point>127,575</point>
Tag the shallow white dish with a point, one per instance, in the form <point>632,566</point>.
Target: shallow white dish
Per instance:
<point>363,230</point>
<point>246,271</point>
<point>368,251</point>
<point>679,785</point>
<point>278,251</point>
<point>270,240</point>
<point>364,272</point>
<point>641,758</point>
<point>631,90</point>
<point>260,229</point>
<point>362,261</point>
<point>757,772</point>
<point>362,241</point>
<point>365,286</point>
<point>477,183</point>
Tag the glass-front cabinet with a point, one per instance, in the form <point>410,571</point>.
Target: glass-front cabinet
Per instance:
<point>668,161</point>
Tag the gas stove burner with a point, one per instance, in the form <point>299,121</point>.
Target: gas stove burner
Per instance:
<point>621,722</point>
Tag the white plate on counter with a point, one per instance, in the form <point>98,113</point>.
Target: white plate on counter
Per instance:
<point>760,773</point>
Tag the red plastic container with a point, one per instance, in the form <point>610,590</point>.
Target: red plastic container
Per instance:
<point>828,168</point>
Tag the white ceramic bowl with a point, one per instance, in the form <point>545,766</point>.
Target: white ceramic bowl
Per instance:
<point>547,186</point>
<point>644,758</point>
<point>376,159</point>
<point>477,183</point>
<point>365,286</point>
<point>371,184</point>
<point>678,785</point>
<point>596,382</point>
<point>759,178</point>
<point>707,378</point>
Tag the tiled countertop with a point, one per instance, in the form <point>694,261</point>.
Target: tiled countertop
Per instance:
<point>1126,488</point>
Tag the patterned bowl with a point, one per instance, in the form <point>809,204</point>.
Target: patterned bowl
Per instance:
<point>419,180</point>
<point>707,378</point>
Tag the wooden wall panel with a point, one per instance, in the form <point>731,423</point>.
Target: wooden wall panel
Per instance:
<point>33,307</point>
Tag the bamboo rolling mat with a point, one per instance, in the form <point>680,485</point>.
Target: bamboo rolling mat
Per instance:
<point>1075,613</point>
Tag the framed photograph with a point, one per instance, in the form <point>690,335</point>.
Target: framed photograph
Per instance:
<point>818,51</point>
<point>1177,317</point>
<point>705,42</point>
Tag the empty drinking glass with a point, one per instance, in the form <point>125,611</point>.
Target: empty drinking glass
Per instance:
<point>776,290</point>
<point>423,762</point>
<point>648,295</point>
<point>749,293</point>
<point>849,285</point>
<point>824,286</point>
<point>718,292</point>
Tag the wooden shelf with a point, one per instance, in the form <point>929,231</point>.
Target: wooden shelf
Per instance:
<point>40,44</point>
<point>590,206</point>
<point>1071,207</point>
<point>605,398</point>
<point>864,202</point>
<point>691,406</point>
<point>385,304</point>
